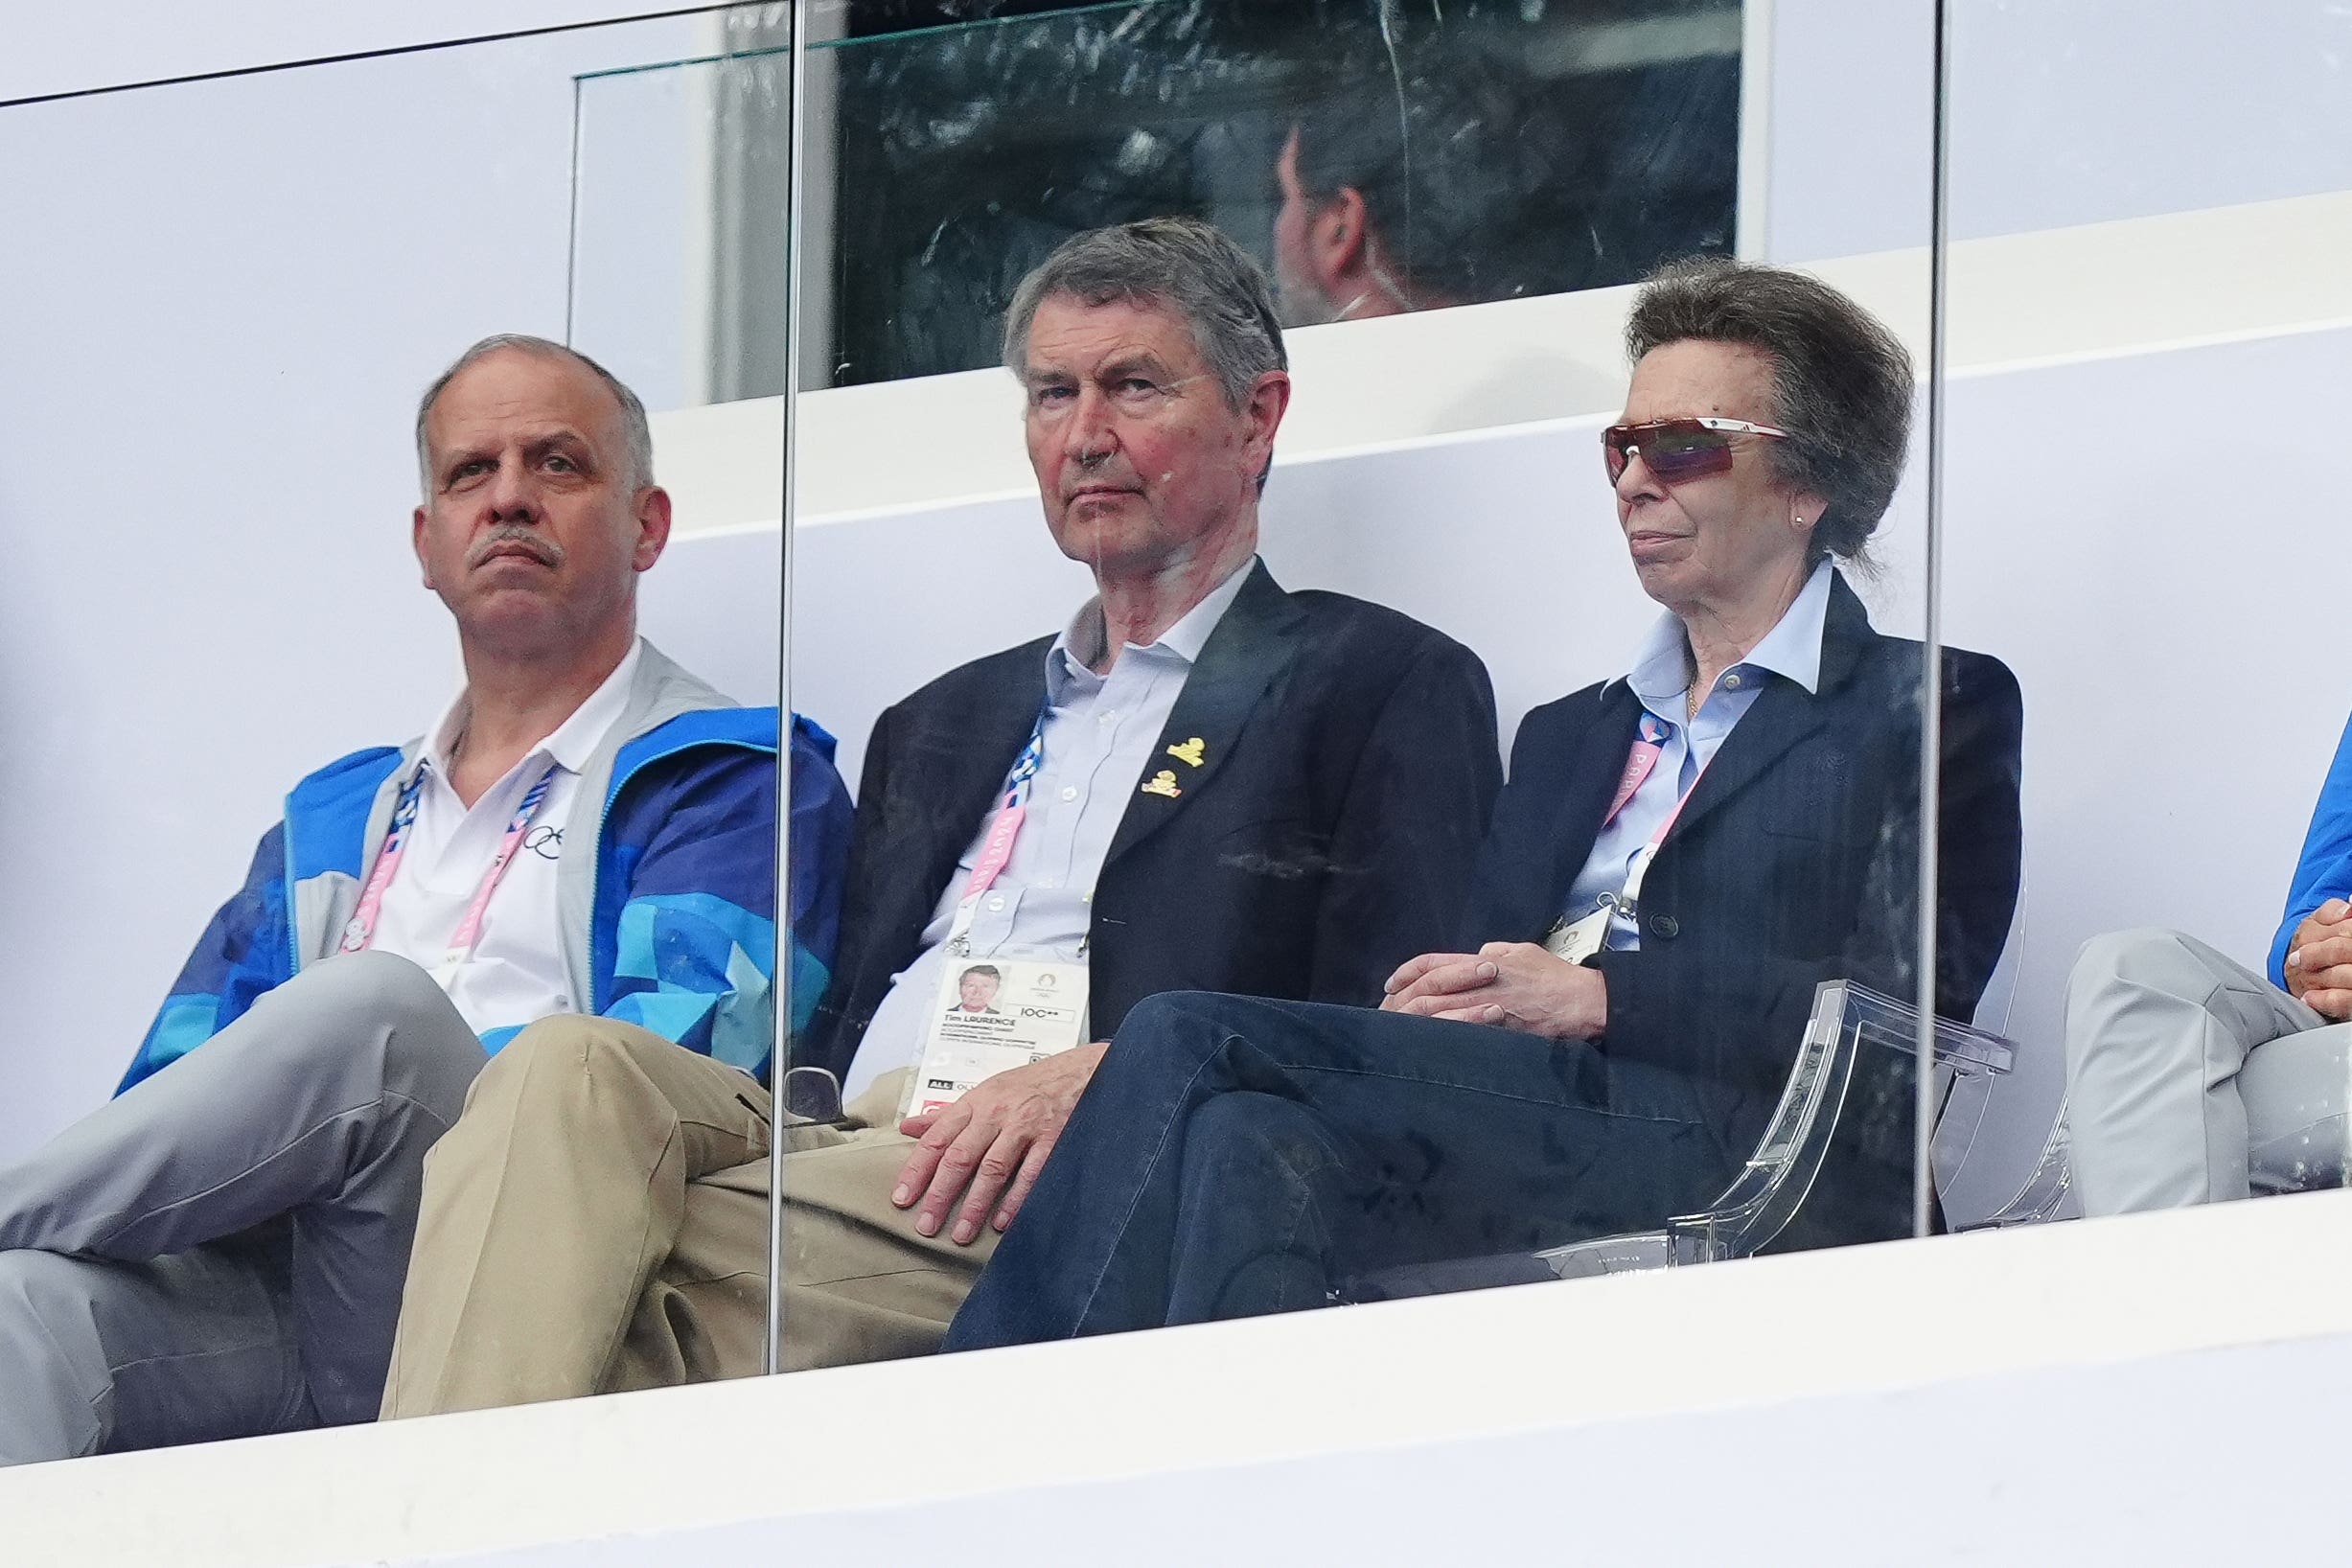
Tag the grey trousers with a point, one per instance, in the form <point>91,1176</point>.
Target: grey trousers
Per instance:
<point>2193,1079</point>
<point>219,1251</point>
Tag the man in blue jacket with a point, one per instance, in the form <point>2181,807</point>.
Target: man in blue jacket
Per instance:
<point>219,1251</point>
<point>2190,1078</point>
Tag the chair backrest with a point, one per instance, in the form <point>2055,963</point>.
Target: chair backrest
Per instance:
<point>2001,990</point>
<point>1962,1121</point>
<point>1776,1178</point>
<point>2048,1194</point>
<point>1774,1184</point>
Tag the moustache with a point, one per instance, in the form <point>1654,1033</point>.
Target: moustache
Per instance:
<point>515,541</point>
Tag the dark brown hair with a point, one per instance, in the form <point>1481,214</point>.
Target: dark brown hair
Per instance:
<point>1841,382</point>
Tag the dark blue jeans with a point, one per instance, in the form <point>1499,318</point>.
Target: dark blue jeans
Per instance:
<point>1236,1156</point>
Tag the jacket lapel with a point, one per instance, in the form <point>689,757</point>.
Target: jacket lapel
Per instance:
<point>1784,713</point>
<point>1594,769</point>
<point>1250,649</point>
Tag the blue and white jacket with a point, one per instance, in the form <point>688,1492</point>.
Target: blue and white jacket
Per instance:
<point>670,923</point>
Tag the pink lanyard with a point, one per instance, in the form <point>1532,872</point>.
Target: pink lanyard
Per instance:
<point>362,929</point>
<point>1004,829</point>
<point>1649,746</point>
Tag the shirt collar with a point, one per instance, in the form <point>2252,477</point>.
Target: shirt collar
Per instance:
<point>1660,675</point>
<point>571,743</point>
<point>1075,650</point>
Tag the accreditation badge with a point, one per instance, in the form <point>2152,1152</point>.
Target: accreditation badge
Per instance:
<point>1577,940</point>
<point>992,1015</point>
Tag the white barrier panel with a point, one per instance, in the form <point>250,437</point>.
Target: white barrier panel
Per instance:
<point>2043,1396</point>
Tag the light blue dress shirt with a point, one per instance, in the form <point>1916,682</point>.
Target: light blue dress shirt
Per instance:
<point>1101,731</point>
<point>1661,678</point>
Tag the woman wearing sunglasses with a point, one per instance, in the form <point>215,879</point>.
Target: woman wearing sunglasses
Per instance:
<point>1682,853</point>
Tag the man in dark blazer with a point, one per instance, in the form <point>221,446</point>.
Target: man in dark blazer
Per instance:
<point>1324,835</point>
<point>1730,824</point>
<point>1205,780</point>
<point>1302,819</point>
<point>1299,821</point>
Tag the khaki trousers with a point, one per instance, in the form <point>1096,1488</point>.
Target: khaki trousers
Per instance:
<point>597,1221</point>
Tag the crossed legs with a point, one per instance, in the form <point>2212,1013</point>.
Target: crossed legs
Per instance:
<point>219,1251</point>
<point>597,1221</point>
<point>2192,1079</point>
<point>1236,1156</point>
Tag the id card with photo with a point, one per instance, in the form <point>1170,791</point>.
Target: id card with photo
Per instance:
<point>992,1015</point>
<point>1576,941</point>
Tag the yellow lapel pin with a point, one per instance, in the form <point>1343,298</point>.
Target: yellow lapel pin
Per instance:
<point>1192,753</point>
<point>1163,783</point>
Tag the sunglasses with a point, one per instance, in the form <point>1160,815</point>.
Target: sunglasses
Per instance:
<point>1677,450</point>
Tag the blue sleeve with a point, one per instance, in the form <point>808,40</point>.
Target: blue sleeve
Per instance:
<point>245,951</point>
<point>2324,871</point>
<point>820,854</point>
<point>695,948</point>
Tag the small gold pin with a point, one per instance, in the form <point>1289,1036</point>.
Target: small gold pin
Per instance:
<point>1163,783</point>
<point>1191,752</point>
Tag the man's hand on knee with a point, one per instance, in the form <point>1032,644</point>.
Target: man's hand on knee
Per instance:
<point>988,1149</point>
<point>2319,961</point>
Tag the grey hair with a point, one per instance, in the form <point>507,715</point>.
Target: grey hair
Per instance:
<point>1180,264</point>
<point>1841,382</point>
<point>635,429</point>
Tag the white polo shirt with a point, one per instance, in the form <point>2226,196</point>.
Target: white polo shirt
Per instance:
<point>517,975</point>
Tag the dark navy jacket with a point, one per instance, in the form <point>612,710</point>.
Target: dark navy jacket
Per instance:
<point>1348,764</point>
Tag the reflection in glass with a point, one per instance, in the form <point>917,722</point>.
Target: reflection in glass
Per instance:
<point>1375,159</point>
<point>1442,154</point>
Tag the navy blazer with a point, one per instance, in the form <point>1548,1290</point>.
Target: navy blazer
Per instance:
<point>1795,862</point>
<point>1349,768</point>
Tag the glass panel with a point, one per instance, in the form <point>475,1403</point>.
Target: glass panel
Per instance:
<point>1254,766</point>
<point>2143,279</point>
<point>223,316</point>
<point>678,233</point>
<point>1494,149</point>
<point>1479,151</point>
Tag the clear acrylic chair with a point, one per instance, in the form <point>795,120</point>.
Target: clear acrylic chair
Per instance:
<point>1771,1188</point>
<point>2047,1194</point>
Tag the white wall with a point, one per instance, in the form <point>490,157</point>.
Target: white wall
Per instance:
<point>2156,604</point>
<point>2063,112</point>
<point>224,299</point>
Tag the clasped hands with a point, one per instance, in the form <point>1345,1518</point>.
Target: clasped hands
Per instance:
<point>1515,985</point>
<point>980,1156</point>
<point>2319,961</point>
